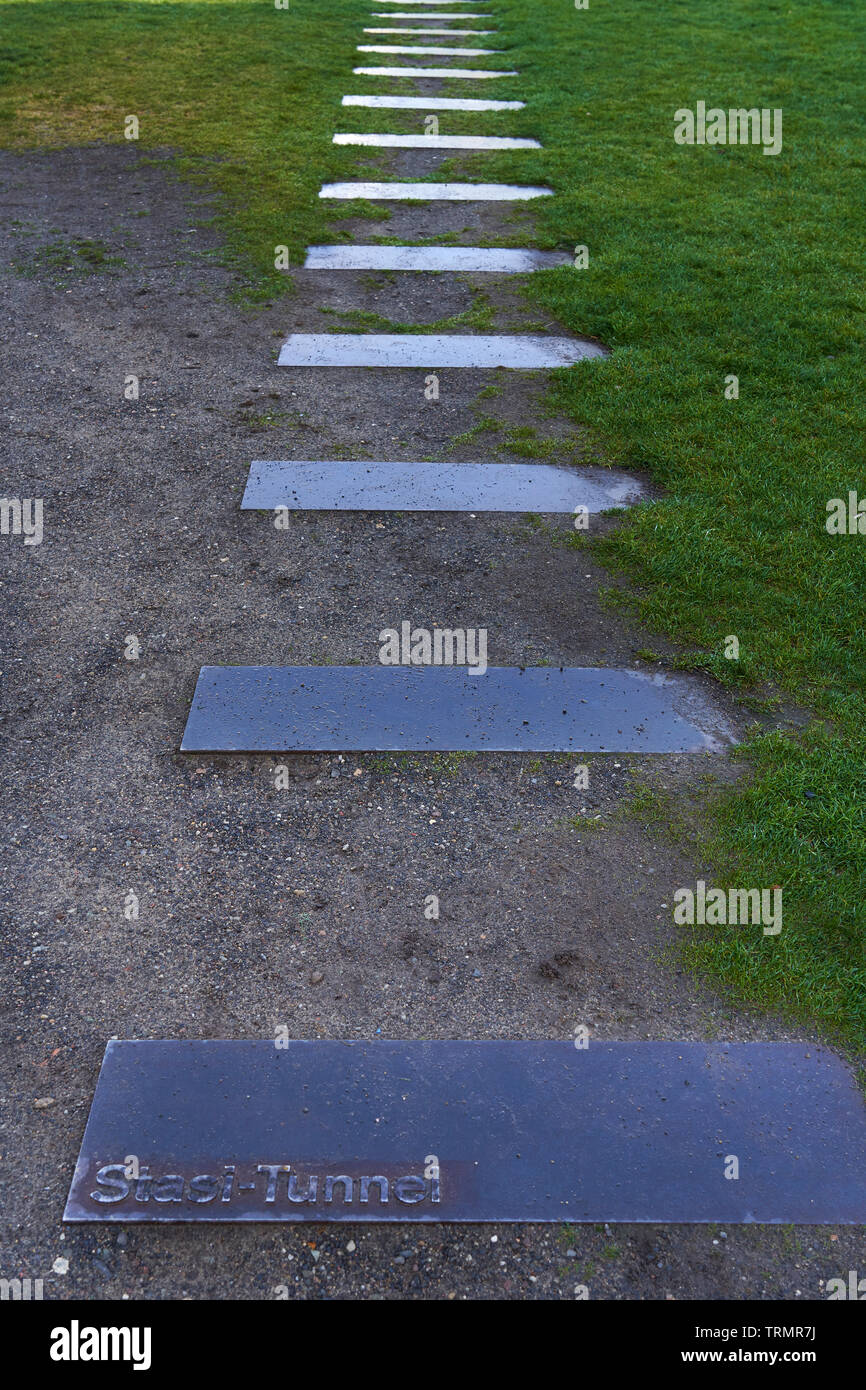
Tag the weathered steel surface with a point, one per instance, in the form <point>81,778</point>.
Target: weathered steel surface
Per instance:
<point>452,33</point>
<point>433,103</point>
<point>444,708</point>
<point>435,487</point>
<point>465,74</point>
<point>523,351</point>
<point>408,14</point>
<point>500,260</point>
<point>436,142</point>
<point>426,49</point>
<point>435,192</point>
<point>472,1131</point>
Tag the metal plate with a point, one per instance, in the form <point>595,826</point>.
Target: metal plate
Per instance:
<point>438,142</point>
<point>426,50</point>
<point>527,351</point>
<point>410,14</point>
<point>500,260</point>
<point>435,487</point>
<point>281,709</point>
<point>487,259</point>
<point>467,73</point>
<point>432,103</point>
<point>449,33</point>
<point>472,1131</point>
<point>434,192</point>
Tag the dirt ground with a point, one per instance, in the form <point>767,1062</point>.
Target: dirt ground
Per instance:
<point>249,893</point>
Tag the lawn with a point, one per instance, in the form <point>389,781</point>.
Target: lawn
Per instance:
<point>705,262</point>
<point>246,94</point>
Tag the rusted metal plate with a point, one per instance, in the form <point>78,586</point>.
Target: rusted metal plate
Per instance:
<point>472,1131</point>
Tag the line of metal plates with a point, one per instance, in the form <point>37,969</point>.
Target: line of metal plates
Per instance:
<point>434,487</point>
<point>280,1130</point>
<point>446,708</point>
<point>472,1131</point>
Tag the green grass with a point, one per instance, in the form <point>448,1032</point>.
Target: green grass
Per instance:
<point>707,261</point>
<point>478,317</point>
<point>58,259</point>
<point>798,824</point>
<point>234,91</point>
<point>704,262</point>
